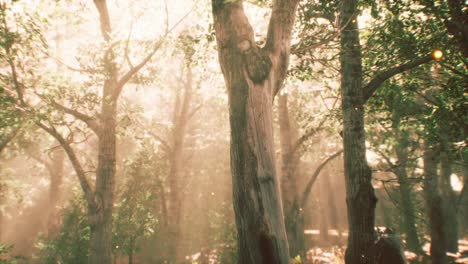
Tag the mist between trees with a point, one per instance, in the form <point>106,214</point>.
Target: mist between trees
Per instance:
<point>233,131</point>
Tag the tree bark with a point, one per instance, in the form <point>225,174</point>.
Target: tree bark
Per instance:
<point>434,205</point>
<point>100,213</point>
<point>253,76</point>
<point>360,197</point>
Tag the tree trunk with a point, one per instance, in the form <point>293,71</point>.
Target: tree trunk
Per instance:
<point>253,76</point>
<point>56,178</point>
<point>130,257</point>
<point>100,213</point>
<point>180,122</point>
<point>449,203</point>
<point>331,193</point>
<point>289,160</point>
<point>323,211</point>
<point>409,218</point>
<point>360,197</point>
<point>434,205</point>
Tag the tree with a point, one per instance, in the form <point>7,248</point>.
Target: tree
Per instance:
<point>253,76</point>
<point>361,199</point>
<point>99,196</point>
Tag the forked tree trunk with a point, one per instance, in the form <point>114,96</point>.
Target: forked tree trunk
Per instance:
<point>253,76</point>
<point>360,197</point>
<point>434,206</point>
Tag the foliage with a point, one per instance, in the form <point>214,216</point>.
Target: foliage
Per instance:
<point>138,212</point>
<point>71,244</point>
<point>5,257</point>
<point>224,236</point>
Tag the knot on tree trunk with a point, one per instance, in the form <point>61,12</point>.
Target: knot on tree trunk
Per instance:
<point>256,61</point>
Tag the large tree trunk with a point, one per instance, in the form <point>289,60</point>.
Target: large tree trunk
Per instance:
<point>407,206</point>
<point>100,212</point>
<point>360,197</point>
<point>253,76</point>
<point>289,161</point>
<point>434,205</point>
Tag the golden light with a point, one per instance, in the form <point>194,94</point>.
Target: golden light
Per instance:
<point>437,54</point>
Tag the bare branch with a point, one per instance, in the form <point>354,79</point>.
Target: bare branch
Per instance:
<point>74,161</point>
<point>91,122</point>
<point>307,135</point>
<point>313,178</point>
<point>134,70</point>
<point>127,49</point>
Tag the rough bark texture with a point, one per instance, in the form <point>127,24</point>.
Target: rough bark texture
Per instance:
<point>100,212</point>
<point>253,76</point>
<point>289,161</point>
<point>434,205</point>
<point>360,197</point>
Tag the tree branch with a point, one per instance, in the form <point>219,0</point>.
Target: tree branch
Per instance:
<point>104,18</point>
<point>85,186</point>
<point>279,38</point>
<point>310,183</point>
<point>306,136</point>
<point>91,122</point>
<point>374,84</point>
<point>134,70</point>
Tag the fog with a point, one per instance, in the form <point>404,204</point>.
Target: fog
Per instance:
<point>148,80</point>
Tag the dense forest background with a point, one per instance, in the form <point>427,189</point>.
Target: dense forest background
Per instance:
<point>233,131</point>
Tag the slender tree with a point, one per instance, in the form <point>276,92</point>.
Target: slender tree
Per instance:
<point>360,196</point>
<point>434,204</point>
<point>289,176</point>
<point>253,76</point>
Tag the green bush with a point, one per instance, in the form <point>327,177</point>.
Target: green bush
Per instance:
<point>70,246</point>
